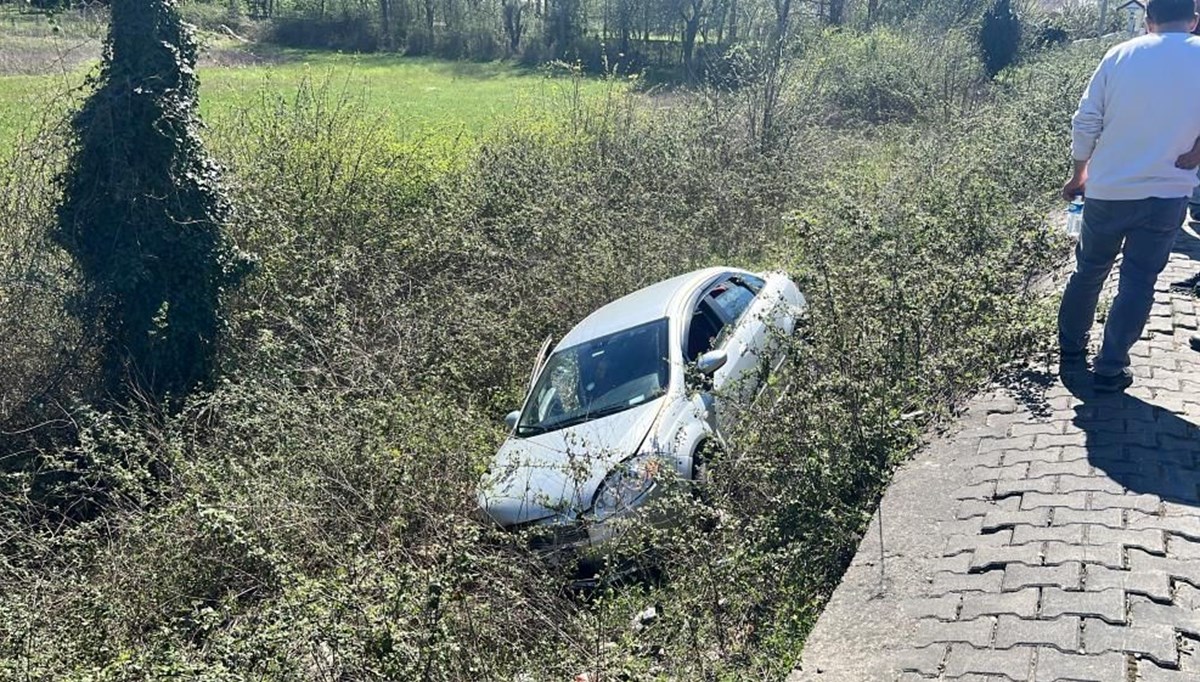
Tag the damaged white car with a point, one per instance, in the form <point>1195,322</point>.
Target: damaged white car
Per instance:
<point>630,398</point>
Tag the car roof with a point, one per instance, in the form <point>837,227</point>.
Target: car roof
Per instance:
<point>644,305</point>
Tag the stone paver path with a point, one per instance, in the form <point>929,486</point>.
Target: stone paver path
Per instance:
<point>1053,535</point>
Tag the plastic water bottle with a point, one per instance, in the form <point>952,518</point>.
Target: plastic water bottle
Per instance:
<point>1075,217</point>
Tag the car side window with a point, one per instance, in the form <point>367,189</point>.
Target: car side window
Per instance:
<point>704,328</point>
<point>756,284</point>
<point>732,298</point>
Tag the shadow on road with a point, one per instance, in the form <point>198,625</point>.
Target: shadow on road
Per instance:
<point>1143,447</point>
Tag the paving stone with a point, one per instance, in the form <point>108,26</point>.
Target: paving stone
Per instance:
<point>1187,597</point>
<point>1013,663</point>
<point>1068,576</point>
<point>968,508</point>
<point>1112,556</point>
<point>1111,518</point>
<point>1062,633</point>
<point>1147,671</point>
<point>1107,605</point>
<point>1154,641</point>
<point>924,660</point>
<point>1023,603</point>
<point>958,563</point>
<point>1154,584</point>
<point>958,582</point>
<point>1144,613</point>
<point>1057,666</point>
<point>1025,485</point>
<point>1000,404</point>
<point>996,520</point>
<point>1070,484</point>
<point>957,544</point>
<point>978,491</point>
<point>969,526</point>
<point>987,558</point>
<point>1078,467</point>
<point>1188,571</point>
<point>1052,428</point>
<point>1077,438</point>
<point>1182,548</point>
<point>1067,534</point>
<point>1031,456</point>
<point>1070,500</point>
<point>1001,473</point>
<point>943,607</point>
<point>1104,424</point>
<point>1183,526</point>
<point>1151,541</point>
<point>1143,503</point>
<point>997,444</point>
<point>977,632</point>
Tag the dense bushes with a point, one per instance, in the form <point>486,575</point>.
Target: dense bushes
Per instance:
<point>312,516</point>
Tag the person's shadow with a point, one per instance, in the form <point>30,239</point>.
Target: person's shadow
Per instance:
<point>1143,447</point>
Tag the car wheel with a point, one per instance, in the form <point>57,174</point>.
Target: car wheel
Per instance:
<point>705,452</point>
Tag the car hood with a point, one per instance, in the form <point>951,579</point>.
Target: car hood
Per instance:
<point>558,472</point>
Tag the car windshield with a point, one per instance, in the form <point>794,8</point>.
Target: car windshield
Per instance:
<point>598,378</point>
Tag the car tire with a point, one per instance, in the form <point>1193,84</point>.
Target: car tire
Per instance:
<point>706,450</point>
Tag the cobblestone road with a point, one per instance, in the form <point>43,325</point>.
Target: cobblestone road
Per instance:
<point>1053,535</point>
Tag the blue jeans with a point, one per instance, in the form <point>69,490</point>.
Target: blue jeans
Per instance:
<point>1144,230</point>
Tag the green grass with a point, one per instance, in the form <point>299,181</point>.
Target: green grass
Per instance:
<point>418,98</point>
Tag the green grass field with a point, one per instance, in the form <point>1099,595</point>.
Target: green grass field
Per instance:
<point>420,98</point>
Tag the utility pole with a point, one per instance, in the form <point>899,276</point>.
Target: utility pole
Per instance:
<point>1103,17</point>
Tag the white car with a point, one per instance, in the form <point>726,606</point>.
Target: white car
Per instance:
<point>629,398</point>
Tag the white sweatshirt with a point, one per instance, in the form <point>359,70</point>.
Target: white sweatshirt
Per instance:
<point>1138,114</point>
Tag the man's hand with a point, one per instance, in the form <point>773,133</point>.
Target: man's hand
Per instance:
<point>1074,187</point>
<point>1188,161</point>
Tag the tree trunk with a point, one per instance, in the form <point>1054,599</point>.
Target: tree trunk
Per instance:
<point>837,11</point>
<point>691,26</point>
<point>733,21</point>
<point>429,17</point>
<point>385,21</point>
<point>512,23</point>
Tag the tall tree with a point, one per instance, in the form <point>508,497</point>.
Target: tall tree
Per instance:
<point>142,209</point>
<point>511,11</point>
<point>692,12</point>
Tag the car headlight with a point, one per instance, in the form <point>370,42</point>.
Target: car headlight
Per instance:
<point>626,485</point>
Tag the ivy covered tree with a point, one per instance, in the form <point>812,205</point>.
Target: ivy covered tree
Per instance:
<point>999,37</point>
<point>142,209</point>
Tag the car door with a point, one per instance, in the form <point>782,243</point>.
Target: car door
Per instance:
<point>742,339</point>
<point>760,312</point>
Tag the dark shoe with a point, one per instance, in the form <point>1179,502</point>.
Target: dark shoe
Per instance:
<point>1194,342</point>
<point>1191,285</point>
<point>1114,383</point>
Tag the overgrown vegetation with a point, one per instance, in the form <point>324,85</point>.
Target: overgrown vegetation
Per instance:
<point>143,209</point>
<point>312,515</point>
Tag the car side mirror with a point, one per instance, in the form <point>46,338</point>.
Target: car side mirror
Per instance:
<point>710,362</point>
<point>511,419</point>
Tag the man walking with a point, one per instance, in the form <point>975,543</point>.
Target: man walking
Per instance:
<point>1140,112</point>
